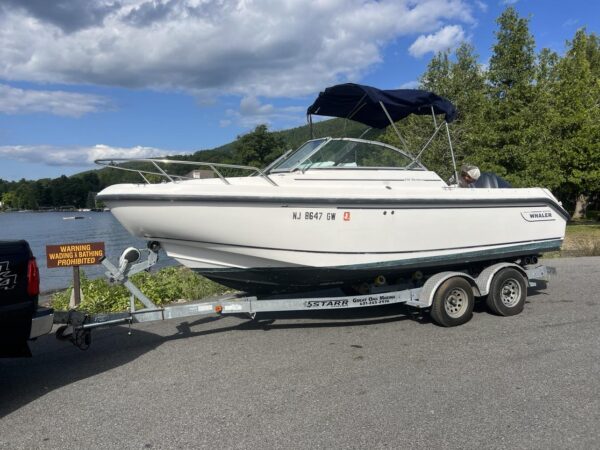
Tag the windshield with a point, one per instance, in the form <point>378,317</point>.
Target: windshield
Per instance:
<point>344,153</point>
<point>299,155</point>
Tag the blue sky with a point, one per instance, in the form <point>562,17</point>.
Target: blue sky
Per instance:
<point>81,80</point>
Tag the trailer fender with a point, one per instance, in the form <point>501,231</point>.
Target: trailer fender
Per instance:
<point>433,283</point>
<point>484,280</point>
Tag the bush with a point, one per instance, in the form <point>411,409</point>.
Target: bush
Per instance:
<point>165,286</point>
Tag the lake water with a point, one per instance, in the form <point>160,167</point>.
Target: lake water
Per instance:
<point>47,228</point>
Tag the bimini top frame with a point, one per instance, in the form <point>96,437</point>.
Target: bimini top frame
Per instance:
<point>379,108</point>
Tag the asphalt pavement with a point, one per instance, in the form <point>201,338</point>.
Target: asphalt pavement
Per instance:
<point>378,378</point>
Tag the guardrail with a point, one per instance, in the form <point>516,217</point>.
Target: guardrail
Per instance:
<point>115,163</point>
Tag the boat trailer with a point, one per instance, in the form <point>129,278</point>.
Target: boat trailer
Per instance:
<point>448,295</point>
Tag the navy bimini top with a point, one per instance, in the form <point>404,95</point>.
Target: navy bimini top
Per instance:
<point>361,104</point>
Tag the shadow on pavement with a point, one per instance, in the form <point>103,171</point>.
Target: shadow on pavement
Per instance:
<point>55,364</point>
<point>326,319</point>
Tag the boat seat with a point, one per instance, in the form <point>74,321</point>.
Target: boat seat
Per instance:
<point>489,180</point>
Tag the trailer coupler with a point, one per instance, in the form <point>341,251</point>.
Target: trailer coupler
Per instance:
<point>73,329</point>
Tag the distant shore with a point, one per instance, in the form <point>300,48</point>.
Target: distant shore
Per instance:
<point>61,209</point>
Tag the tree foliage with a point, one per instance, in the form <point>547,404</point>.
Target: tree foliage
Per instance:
<point>258,148</point>
<point>576,124</point>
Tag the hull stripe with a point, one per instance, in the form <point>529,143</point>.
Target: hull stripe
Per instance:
<point>341,202</point>
<point>556,240</point>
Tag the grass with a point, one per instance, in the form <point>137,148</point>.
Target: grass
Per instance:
<point>581,239</point>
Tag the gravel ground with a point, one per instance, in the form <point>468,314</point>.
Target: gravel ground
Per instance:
<point>375,378</point>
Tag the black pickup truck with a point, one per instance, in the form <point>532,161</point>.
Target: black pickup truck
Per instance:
<point>21,319</point>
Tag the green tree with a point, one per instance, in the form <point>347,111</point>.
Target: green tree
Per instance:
<point>25,197</point>
<point>9,200</point>
<point>437,74</point>
<point>458,78</point>
<point>512,65</point>
<point>511,77</point>
<point>42,192</point>
<point>541,167</point>
<point>465,88</point>
<point>258,148</point>
<point>576,125</point>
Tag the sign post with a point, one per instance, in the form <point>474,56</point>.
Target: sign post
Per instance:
<point>74,255</point>
<point>76,298</point>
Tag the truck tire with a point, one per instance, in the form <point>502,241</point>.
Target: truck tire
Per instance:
<point>453,303</point>
<point>508,292</point>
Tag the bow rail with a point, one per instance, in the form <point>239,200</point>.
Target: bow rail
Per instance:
<point>116,163</point>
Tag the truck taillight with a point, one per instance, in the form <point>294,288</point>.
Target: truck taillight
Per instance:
<point>33,278</point>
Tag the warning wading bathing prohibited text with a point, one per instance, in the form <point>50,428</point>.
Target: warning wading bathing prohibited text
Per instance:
<point>74,255</point>
<point>80,254</point>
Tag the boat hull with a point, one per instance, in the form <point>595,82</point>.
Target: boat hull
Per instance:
<point>282,245</point>
<point>285,279</point>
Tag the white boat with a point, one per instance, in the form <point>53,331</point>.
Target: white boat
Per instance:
<point>337,211</point>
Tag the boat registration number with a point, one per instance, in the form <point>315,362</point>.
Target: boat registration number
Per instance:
<point>313,215</point>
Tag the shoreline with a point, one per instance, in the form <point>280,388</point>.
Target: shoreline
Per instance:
<point>54,210</point>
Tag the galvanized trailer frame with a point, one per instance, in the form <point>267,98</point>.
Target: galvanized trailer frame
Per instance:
<point>77,325</point>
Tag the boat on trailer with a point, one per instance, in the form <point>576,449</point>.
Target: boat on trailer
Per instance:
<point>449,297</point>
<point>337,211</point>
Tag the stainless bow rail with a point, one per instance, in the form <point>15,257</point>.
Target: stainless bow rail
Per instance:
<point>116,163</point>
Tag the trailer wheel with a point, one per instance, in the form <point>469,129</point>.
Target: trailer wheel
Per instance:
<point>453,303</point>
<point>508,292</point>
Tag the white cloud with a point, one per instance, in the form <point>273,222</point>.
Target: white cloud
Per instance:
<point>263,48</point>
<point>252,112</point>
<point>251,106</point>
<point>448,37</point>
<point>414,84</point>
<point>24,101</point>
<point>75,156</point>
<point>481,5</point>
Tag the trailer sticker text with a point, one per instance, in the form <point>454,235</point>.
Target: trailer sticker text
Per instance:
<point>365,300</point>
<point>371,301</point>
<point>326,304</point>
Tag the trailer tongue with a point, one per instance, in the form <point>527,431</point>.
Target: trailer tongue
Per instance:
<point>449,296</point>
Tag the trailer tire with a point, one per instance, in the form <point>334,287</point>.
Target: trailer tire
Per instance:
<point>508,292</point>
<point>453,303</point>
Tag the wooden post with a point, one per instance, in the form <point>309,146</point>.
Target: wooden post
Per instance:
<point>76,297</point>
